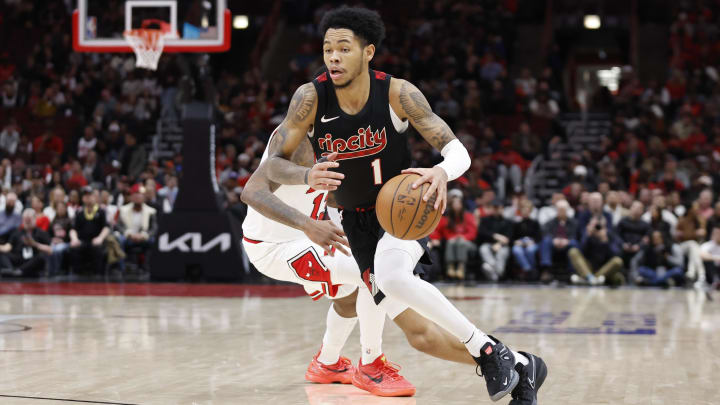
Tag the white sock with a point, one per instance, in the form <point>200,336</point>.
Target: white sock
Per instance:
<point>393,272</point>
<point>337,331</point>
<point>476,342</point>
<point>372,322</point>
<point>519,358</point>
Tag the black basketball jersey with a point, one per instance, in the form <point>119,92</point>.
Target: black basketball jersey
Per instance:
<point>370,150</point>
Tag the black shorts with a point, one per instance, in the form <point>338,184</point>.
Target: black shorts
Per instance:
<point>364,232</point>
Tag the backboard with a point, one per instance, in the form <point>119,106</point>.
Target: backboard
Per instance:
<point>201,25</point>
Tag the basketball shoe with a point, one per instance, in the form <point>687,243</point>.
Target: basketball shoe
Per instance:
<point>340,372</point>
<point>381,378</point>
<point>532,377</point>
<point>497,365</point>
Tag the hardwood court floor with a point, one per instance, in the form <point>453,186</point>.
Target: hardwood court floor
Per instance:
<point>139,345</point>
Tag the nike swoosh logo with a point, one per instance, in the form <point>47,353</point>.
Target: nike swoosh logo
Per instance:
<point>337,371</point>
<point>377,379</point>
<point>324,120</point>
<point>532,382</point>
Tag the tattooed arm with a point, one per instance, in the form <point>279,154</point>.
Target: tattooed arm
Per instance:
<point>409,103</point>
<point>258,194</point>
<point>300,118</point>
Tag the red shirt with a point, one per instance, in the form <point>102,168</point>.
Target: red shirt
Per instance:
<point>467,229</point>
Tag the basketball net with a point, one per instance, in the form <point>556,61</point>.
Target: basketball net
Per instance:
<point>148,43</point>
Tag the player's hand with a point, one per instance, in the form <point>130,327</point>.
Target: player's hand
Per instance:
<point>437,178</point>
<point>328,235</point>
<point>320,177</point>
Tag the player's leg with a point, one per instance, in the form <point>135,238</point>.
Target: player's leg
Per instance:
<point>327,366</point>
<point>394,262</point>
<point>431,339</point>
<point>374,373</point>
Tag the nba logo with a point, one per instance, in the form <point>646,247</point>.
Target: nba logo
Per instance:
<point>91,27</point>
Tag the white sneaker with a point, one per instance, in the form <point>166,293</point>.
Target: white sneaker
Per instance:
<point>699,285</point>
<point>599,280</point>
<point>489,272</point>
<point>576,279</point>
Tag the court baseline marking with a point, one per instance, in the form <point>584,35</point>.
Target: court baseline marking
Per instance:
<point>66,400</point>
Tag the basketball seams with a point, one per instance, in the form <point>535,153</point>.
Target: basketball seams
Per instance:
<point>392,204</point>
<point>417,207</point>
<point>431,223</point>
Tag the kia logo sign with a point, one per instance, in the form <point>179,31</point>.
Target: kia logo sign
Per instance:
<point>192,242</point>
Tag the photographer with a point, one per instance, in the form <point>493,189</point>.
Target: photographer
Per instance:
<point>22,255</point>
<point>600,259</point>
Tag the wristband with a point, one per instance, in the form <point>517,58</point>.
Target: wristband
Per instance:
<point>456,159</point>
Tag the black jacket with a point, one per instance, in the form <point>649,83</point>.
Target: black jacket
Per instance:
<point>551,228</point>
<point>526,228</point>
<point>491,225</point>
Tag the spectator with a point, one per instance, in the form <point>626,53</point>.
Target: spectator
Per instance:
<point>543,106</point>
<point>710,253</point>
<point>714,219</point>
<point>457,229</point>
<point>634,234</point>
<point>42,221</point>
<point>88,234</point>
<point>510,167</point>
<point>133,157</point>
<point>526,236</point>
<point>494,232</point>
<point>10,137</point>
<point>87,142</point>
<point>48,142</point>
<point>690,231</point>
<point>137,224</point>
<point>9,94</point>
<point>558,237</point>
<point>667,215</point>
<point>600,259</point>
<point>526,142</point>
<point>21,256</point>
<point>60,238</point>
<point>547,213</point>
<point>10,219</point>
<point>656,266</point>
<point>169,192</point>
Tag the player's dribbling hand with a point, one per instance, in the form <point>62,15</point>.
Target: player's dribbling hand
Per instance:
<point>437,178</point>
<point>326,234</point>
<point>320,177</point>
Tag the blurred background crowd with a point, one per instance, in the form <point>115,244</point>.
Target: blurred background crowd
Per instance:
<point>596,164</point>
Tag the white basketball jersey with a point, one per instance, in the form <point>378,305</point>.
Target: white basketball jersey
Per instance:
<point>301,197</point>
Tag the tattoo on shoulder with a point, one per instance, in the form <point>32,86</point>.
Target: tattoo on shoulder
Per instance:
<point>431,127</point>
<point>302,103</point>
<point>278,139</point>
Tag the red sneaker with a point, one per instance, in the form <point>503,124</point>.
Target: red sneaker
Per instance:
<point>381,378</point>
<point>340,372</point>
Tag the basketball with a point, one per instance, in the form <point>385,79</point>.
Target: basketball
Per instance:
<point>401,210</point>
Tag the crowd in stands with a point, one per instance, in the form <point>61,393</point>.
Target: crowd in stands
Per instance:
<point>81,191</point>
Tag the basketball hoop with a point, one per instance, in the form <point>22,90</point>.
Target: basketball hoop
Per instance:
<point>148,43</point>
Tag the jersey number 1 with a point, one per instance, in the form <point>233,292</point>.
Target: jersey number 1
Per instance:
<point>377,172</point>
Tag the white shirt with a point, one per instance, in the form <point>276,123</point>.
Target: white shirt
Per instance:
<point>85,146</point>
<point>711,247</point>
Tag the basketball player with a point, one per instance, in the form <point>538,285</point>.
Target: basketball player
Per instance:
<point>289,219</point>
<point>361,115</point>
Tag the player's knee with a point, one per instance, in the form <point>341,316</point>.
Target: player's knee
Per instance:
<point>345,306</point>
<point>392,271</point>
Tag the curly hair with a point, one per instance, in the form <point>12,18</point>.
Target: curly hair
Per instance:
<point>365,24</point>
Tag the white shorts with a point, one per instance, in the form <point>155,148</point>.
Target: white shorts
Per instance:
<point>304,262</point>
